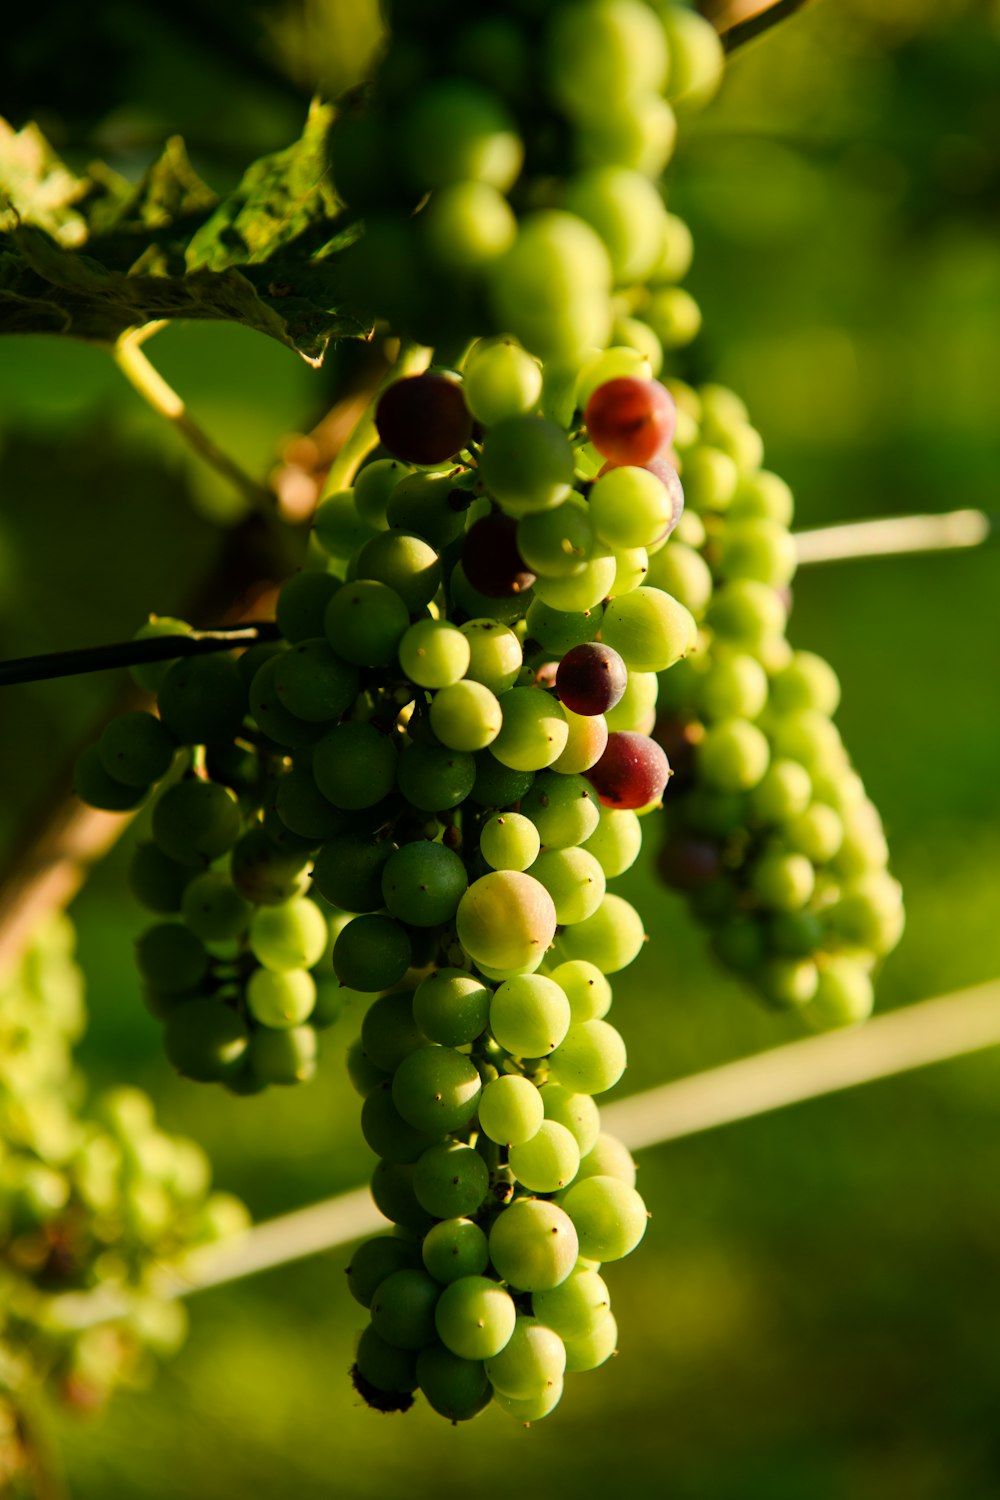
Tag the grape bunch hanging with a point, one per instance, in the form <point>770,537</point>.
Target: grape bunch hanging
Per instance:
<point>421,791</point>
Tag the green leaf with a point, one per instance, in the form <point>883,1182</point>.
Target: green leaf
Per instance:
<point>95,256</point>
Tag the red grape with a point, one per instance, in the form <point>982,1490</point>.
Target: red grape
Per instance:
<point>423,419</point>
<point>687,863</point>
<point>492,563</point>
<point>632,772</point>
<point>591,679</point>
<point>629,420</point>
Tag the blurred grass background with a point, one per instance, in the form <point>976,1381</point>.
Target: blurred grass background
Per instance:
<point>815,1311</point>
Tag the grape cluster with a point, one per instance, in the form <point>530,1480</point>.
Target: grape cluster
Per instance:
<point>769,830</point>
<point>90,1204</point>
<point>505,167</point>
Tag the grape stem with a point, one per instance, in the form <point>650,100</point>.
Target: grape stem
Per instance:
<point>411,360</point>
<point>741,32</point>
<point>143,376</point>
<point>134,653</point>
<point>915,1036</point>
<point>895,535</point>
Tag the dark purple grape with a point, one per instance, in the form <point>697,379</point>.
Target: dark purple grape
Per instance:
<point>632,772</point>
<point>491,560</point>
<point>687,863</point>
<point>591,679</point>
<point>678,738</point>
<point>423,419</point>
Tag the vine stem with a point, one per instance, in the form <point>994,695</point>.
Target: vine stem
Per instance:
<point>363,437</point>
<point>134,653</point>
<point>916,1036</point>
<point>894,536</point>
<point>757,25</point>
<point>144,377</point>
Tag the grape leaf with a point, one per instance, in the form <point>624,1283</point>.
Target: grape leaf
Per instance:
<point>90,257</point>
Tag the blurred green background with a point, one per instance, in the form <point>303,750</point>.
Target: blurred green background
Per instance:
<point>815,1311</point>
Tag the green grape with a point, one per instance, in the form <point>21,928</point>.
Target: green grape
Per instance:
<point>451,1007</point>
<point>393,1195</point>
<point>194,821</point>
<point>763,495</point>
<point>214,910</point>
<point>434,654</point>
<point>384,1367</point>
<point>509,841</point>
<point>590,1059</point>
<point>616,841</point>
<point>436,1089</point>
<point>435,778</point>
<point>588,1350</point>
<point>292,936</point>
<point>506,920</point>
<point>608,1215</point>
<point>678,253</point>
<point>631,570</point>
<point>529,1015</point>
<point>586,989</point>
<point>496,785</point>
<point>302,807</point>
<point>782,882</point>
<point>466,225</point>
<point>640,134</point>
<point>301,605</point>
<point>733,756</point>
<point>557,543</point>
<point>533,1410</point>
<point>495,654</point>
<point>205,1040</point>
<point>581,592</point>
<point>817,832</point>
<point>733,687</point>
<point>456,130</point>
<point>263,873</point>
<point>365,622</point>
<point>385,1130</point>
<point>202,699</point>
<point>475,1317</point>
<point>586,742</point>
<point>807,682</point>
<point>329,1002</point>
<point>404,563</point>
<point>451,1180</point>
<point>575,1308</point>
<point>423,882</point>
<point>869,914</point>
<point>548,1161</point>
<point>564,809</point>
<point>843,996</point>
<point>782,793</point>
<point>635,711</point>
<point>697,59</point>
<point>608,1157</point>
<point>577,1112</point>
<point>465,716</point>
<point>864,846</point>
<point>632,332</point>
<point>281,999</point>
<point>575,881</point>
<point>94,786</point>
<point>648,629</point>
<point>389,1031</point>
<point>531,1363</point>
<point>170,958</point>
<point>374,484</point>
<point>527,465</point>
<point>372,953</point>
<point>431,506</point>
<point>136,749</point>
<point>271,715</point>
<point>534,730</point>
<point>533,1245</point>
<point>354,765</point>
<point>156,880</point>
<point>683,573</point>
<point>403,1308</point>
<point>611,939</point>
<point>628,214</point>
<point>559,630</point>
<point>746,614</point>
<point>601,53</point>
<point>376,1259</point>
<point>788,981</point>
<point>551,288</point>
<point>510,1110</point>
<point>455,1388</point>
<point>313,683</point>
<point>348,871</point>
<point>148,675</point>
<point>760,549</point>
<point>674,317</point>
<point>455,1248</point>
<point>501,379</point>
<point>338,527</point>
<point>364,1075</point>
<point>812,739</point>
